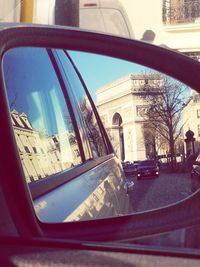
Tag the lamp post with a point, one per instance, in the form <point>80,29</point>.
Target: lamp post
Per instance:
<point>190,149</point>
<point>190,142</point>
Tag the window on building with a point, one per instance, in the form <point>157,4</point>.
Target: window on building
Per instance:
<point>76,151</point>
<point>184,11</point>
<point>196,98</point>
<point>31,178</point>
<point>198,113</point>
<point>34,149</point>
<point>27,149</point>
<point>198,130</point>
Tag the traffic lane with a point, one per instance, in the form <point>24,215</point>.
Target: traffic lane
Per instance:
<point>152,193</point>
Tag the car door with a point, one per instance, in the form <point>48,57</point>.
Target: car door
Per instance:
<point>66,157</point>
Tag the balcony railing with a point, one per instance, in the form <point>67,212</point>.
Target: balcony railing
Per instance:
<point>185,11</point>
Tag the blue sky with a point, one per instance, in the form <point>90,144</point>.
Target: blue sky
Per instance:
<point>98,70</point>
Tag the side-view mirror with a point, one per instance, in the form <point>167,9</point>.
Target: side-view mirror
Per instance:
<point>73,110</point>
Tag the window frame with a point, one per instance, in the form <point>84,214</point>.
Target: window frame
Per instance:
<point>104,135</point>
<point>198,113</point>
<point>47,184</point>
<point>72,101</point>
<point>67,101</point>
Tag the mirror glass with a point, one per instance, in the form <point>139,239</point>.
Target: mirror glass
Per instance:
<point>151,120</point>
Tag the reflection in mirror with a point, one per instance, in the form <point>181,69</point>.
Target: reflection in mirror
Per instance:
<point>152,121</point>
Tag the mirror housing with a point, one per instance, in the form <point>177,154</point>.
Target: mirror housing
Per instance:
<point>182,214</point>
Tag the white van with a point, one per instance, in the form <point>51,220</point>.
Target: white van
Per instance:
<point>105,16</point>
<point>99,15</point>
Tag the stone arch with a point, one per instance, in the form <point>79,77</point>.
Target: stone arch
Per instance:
<point>117,119</point>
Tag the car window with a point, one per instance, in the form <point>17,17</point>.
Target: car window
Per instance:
<point>83,104</point>
<point>44,131</point>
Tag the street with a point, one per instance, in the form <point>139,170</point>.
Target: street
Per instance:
<point>152,193</point>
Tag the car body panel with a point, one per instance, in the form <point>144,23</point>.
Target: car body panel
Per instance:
<point>58,253</point>
<point>59,155</point>
<point>98,193</point>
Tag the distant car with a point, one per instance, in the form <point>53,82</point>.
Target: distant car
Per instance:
<point>162,158</point>
<point>147,168</point>
<point>136,163</point>
<point>129,168</point>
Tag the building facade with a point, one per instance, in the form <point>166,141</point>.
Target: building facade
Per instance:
<point>191,119</point>
<point>122,109</point>
<point>42,155</point>
<point>171,23</point>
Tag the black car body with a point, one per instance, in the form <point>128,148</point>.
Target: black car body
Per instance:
<point>129,169</point>
<point>147,168</point>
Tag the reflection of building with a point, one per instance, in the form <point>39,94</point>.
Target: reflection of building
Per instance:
<point>42,155</point>
<point>122,110</point>
<point>191,119</point>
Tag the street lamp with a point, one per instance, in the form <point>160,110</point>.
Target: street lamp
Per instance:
<point>190,142</point>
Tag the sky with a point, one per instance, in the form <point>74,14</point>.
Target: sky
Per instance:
<point>98,70</point>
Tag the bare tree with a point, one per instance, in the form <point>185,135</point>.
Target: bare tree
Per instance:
<point>166,98</point>
<point>153,140</point>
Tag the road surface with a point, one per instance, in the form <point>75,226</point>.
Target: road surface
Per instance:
<point>152,193</point>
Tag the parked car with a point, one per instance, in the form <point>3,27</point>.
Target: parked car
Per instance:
<point>57,163</point>
<point>147,168</point>
<point>162,158</point>
<point>195,174</point>
<point>129,169</point>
